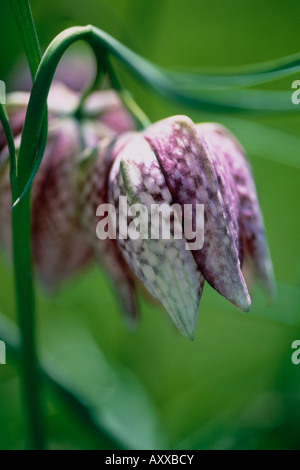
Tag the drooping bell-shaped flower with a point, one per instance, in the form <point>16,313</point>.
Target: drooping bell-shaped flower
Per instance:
<point>184,175</point>
<point>176,164</point>
<point>193,175</point>
<point>165,266</point>
<point>60,246</point>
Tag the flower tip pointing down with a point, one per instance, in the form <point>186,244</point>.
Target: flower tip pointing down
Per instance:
<point>244,304</point>
<point>176,161</point>
<point>172,162</point>
<point>165,267</point>
<point>185,321</point>
<point>191,335</point>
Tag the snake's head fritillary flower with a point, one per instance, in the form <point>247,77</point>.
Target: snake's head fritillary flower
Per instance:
<point>175,162</point>
<point>174,166</point>
<point>165,266</point>
<point>60,246</point>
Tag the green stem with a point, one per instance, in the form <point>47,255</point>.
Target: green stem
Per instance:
<point>21,228</point>
<point>26,319</point>
<point>138,114</point>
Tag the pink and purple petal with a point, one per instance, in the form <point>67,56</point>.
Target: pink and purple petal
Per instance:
<point>94,193</point>
<point>165,267</point>
<point>251,221</point>
<point>190,172</point>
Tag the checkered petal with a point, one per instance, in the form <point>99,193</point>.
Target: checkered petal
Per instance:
<point>165,266</point>
<point>253,236</point>
<point>59,245</point>
<point>94,192</point>
<point>195,176</point>
<point>226,184</point>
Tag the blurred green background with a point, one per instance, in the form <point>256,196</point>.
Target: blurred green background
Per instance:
<point>235,387</point>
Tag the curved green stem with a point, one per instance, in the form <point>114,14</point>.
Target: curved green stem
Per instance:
<point>38,99</point>
<point>140,117</point>
<point>21,229</point>
<point>157,79</point>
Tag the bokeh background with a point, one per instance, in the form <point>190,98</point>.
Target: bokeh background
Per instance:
<point>235,387</point>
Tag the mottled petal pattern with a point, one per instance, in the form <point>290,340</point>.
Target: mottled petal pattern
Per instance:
<point>251,222</point>
<point>165,267</point>
<point>190,170</point>
<point>226,185</point>
<point>59,244</point>
<point>94,192</point>
<point>101,158</point>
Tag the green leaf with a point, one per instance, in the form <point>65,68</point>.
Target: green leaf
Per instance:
<point>24,20</point>
<point>117,400</point>
<point>107,398</point>
<point>245,76</point>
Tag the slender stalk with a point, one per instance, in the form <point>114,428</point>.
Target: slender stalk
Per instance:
<point>21,228</point>
<point>138,114</point>
<point>26,319</point>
